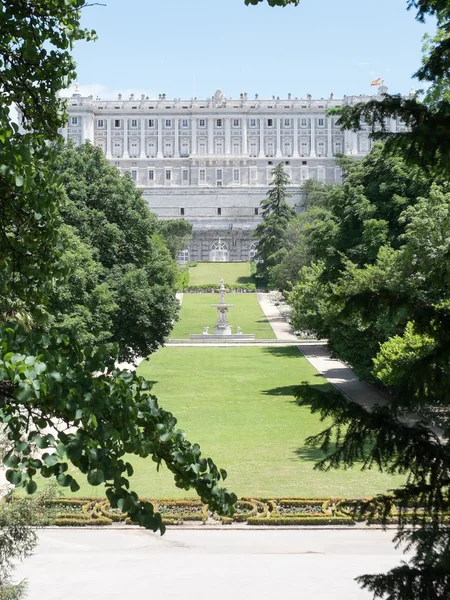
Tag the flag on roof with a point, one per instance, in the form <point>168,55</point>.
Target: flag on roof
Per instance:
<point>377,81</point>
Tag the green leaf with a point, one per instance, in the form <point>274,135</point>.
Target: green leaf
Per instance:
<point>11,460</point>
<point>50,459</point>
<point>31,487</point>
<point>14,477</point>
<point>95,477</point>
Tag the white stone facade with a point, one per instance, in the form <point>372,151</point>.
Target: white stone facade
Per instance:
<point>210,161</point>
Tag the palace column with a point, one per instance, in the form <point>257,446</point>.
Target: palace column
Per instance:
<point>177,141</point>
<point>108,138</point>
<point>194,137</point>
<point>125,139</point>
<point>312,153</point>
<point>261,137</point>
<point>244,136</point>
<point>295,154</point>
<point>278,152</point>
<point>159,153</point>
<point>143,153</point>
<point>330,138</point>
<point>210,136</point>
<point>228,136</point>
<point>82,124</point>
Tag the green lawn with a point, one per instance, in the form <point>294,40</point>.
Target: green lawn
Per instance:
<point>206,273</point>
<point>197,313</point>
<point>238,404</point>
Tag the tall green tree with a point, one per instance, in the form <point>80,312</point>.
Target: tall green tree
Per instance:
<point>49,381</point>
<point>177,234</point>
<point>109,214</point>
<point>276,214</point>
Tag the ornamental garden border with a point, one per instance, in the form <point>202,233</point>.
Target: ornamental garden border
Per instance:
<point>85,511</point>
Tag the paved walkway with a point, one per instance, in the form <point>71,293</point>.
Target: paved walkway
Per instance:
<point>198,565</point>
<point>280,326</point>
<point>342,377</point>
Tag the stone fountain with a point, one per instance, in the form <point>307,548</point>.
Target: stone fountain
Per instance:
<point>222,329</point>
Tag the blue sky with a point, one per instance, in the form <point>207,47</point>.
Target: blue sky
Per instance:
<point>186,48</point>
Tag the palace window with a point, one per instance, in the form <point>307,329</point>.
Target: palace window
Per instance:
<point>321,122</point>
<point>134,174</point>
<point>151,122</point>
<point>168,148</point>
<point>338,146</point>
<point>218,146</point>
<point>235,122</point>
<point>151,148</point>
<point>184,123</point>
<point>236,147</point>
<point>184,148</point>
<point>303,122</point>
<point>269,122</point>
<point>219,250</point>
<point>117,148</point>
<point>219,174</point>
<point>202,147</point>
<point>74,121</point>
<point>321,147</point>
<point>168,123</point>
<point>219,122</point>
<point>202,175</point>
<point>304,147</point>
<point>181,212</point>
<point>116,123</point>
<point>287,148</point>
<point>134,123</point>
<point>151,175</point>
<point>270,148</point>
<point>134,148</point>
<point>364,145</point>
<point>236,175</point>
<point>256,211</point>
<point>183,256</point>
<point>168,175</point>
<point>185,175</point>
<point>253,148</point>
<point>287,122</point>
<point>252,122</point>
<point>100,123</point>
<point>100,143</point>
<point>202,123</point>
<point>219,212</point>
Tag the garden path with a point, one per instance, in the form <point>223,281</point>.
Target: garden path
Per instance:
<point>280,326</point>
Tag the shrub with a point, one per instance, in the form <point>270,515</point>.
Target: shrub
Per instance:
<point>79,522</point>
<point>300,521</point>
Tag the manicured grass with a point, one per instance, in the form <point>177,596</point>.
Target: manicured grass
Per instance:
<point>212,273</point>
<point>197,313</point>
<point>238,404</point>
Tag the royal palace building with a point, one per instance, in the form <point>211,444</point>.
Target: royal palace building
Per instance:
<point>210,161</point>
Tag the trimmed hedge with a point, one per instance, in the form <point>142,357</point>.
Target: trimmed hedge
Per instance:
<point>78,522</point>
<point>300,521</point>
<point>208,288</point>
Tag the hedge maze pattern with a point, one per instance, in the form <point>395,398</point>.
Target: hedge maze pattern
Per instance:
<point>253,511</point>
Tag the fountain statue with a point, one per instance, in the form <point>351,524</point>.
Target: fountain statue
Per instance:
<point>222,329</point>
